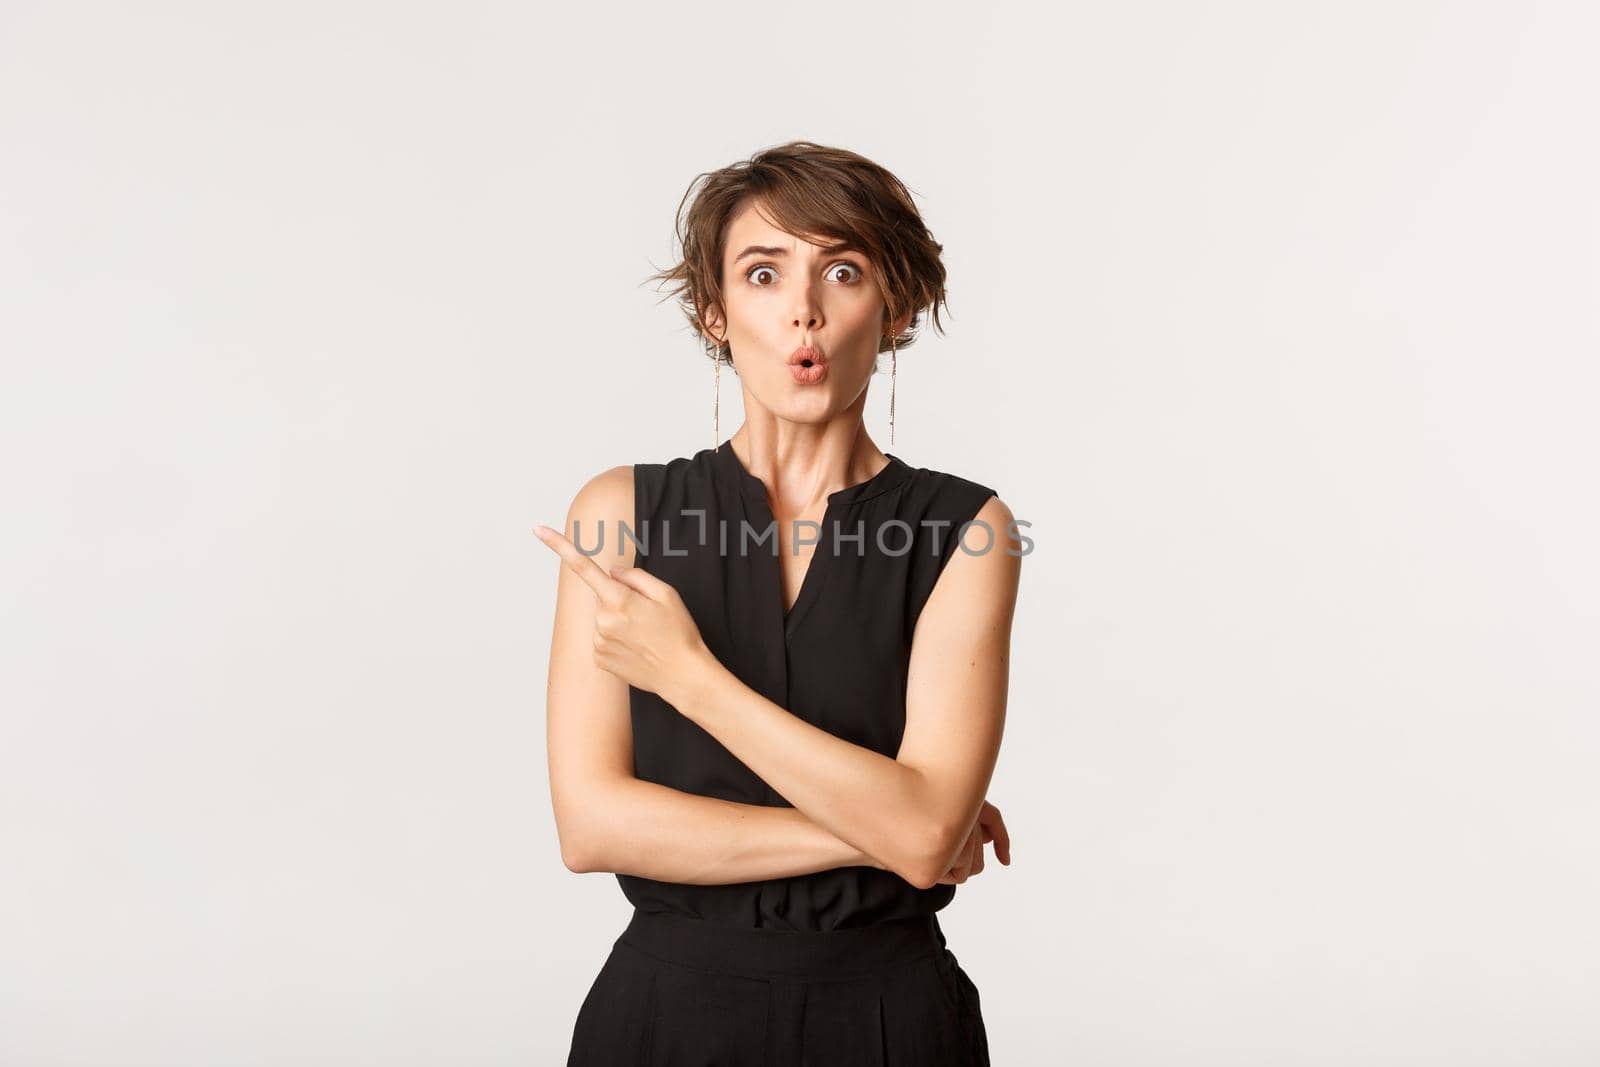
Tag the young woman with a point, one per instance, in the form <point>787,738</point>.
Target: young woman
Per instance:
<point>779,666</point>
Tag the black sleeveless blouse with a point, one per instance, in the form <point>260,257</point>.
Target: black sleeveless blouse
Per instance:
<point>838,659</point>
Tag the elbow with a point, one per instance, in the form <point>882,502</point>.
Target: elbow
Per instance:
<point>576,861</point>
<point>926,865</point>
<point>584,827</point>
<point>585,854</point>
<point>582,850</point>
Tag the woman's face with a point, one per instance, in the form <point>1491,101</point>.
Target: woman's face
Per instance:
<point>776,287</point>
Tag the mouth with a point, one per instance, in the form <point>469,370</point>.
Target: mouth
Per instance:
<point>807,365</point>
<point>807,356</point>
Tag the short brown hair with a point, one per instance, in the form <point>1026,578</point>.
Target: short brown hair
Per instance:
<point>810,190</point>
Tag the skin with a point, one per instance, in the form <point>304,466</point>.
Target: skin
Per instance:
<point>921,814</point>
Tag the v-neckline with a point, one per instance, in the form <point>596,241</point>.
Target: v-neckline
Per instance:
<point>754,490</point>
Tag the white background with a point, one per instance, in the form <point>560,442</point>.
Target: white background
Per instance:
<point>1278,322</point>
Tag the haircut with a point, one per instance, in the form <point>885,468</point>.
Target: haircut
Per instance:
<point>829,196</point>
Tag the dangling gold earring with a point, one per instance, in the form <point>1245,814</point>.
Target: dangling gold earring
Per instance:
<point>716,400</point>
<point>892,365</point>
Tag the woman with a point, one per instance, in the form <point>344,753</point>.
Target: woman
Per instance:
<point>777,690</point>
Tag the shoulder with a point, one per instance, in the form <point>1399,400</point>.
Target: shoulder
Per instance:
<point>948,484</point>
<point>630,492</point>
<point>666,485</point>
<point>967,596</point>
<point>606,492</point>
<point>981,541</point>
<point>601,505</point>
<point>959,498</point>
<point>616,489</point>
<point>980,568</point>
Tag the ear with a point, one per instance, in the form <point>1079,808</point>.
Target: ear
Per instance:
<point>713,325</point>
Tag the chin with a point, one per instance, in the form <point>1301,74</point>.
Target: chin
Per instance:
<point>807,410</point>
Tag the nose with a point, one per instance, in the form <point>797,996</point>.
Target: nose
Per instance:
<point>807,309</point>
<point>808,317</point>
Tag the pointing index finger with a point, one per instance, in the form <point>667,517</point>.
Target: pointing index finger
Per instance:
<point>593,575</point>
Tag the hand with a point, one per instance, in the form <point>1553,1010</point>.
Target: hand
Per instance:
<point>643,632</point>
<point>969,861</point>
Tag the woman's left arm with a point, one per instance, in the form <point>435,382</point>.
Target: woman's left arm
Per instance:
<point>912,813</point>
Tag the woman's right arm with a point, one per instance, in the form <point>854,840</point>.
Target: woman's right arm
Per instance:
<point>608,820</point>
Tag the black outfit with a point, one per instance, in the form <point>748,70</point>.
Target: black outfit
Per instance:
<point>846,966</point>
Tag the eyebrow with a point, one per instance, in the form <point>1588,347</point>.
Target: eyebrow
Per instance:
<point>769,250</point>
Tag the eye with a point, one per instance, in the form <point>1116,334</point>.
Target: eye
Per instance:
<point>853,273</point>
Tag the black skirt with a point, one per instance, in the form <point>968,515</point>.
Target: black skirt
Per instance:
<point>683,992</point>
